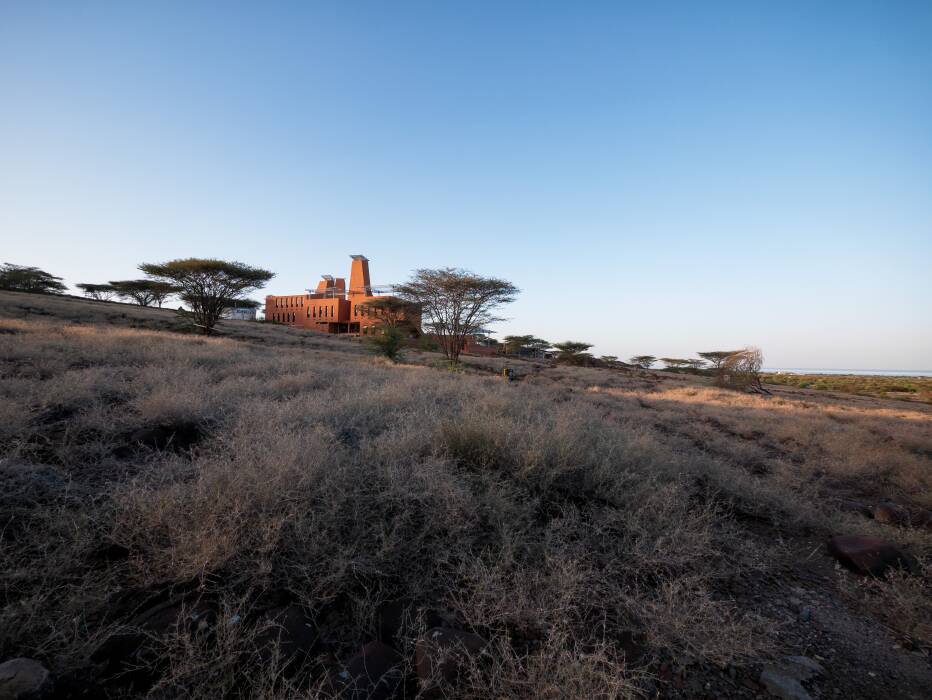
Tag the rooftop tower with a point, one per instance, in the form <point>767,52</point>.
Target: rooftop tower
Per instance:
<point>359,283</point>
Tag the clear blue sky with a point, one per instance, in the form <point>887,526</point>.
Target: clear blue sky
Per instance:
<point>656,177</point>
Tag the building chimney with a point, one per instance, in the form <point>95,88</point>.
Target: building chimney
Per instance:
<point>359,282</point>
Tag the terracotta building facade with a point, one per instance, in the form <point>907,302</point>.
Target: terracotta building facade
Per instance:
<point>332,307</point>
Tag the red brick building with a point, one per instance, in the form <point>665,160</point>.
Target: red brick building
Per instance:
<point>331,307</point>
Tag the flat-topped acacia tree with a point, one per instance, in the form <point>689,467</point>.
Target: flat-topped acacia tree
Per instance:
<point>455,304</point>
<point>208,287</point>
<point>643,361</point>
<point>572,352</point>
<point>20,278</point>
<point>674,362</point>
<point>100,292</point>
<point>144,292</point>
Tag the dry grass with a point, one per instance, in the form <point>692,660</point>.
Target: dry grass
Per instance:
<point>556,516</point>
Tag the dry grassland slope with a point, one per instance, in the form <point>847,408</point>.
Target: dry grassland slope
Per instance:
<point>237,516</point>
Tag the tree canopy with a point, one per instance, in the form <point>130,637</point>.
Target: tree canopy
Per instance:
<point>208,286</point>
<point>674,362</point>
<point>394,312</point>
<point>716,357</point>
<point>144,292</point>
<point>456,303</point>
<point>19,278</point>
<point>573,352</point>
<point>100,292</point>
<point>525,344</point>
<point>643,361</point>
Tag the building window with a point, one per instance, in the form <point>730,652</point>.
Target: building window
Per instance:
<point>309,312</point>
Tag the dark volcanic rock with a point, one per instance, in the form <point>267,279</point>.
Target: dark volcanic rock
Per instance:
<point>24,679</point>
<point>868,555</point>
<point>108,553</point>
<point>802,667</point>
<point>783,686</point>
<point>178,436</point>
<point>443,652</point>
<point>376,673</point>
<point>399,619</point>
<point>290,628</point>
<point>128,658</point>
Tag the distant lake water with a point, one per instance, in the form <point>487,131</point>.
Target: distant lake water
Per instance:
<point>876,372</point>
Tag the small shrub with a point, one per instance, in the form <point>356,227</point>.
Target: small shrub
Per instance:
<point>388,343</point>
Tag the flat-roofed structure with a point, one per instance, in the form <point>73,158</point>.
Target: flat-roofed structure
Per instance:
<point>332,308</point>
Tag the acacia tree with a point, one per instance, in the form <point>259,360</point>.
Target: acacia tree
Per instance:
<point>715,358</point>
<point>19,278</point>
<point>100,292</point>
<point>643,361</point>
<point>741,370</point>
<point>525,345</point>
<point>145,292</point>
<point>674,362</point>
<point>455,304</point>
<point>207,286</point>
<point>573,353</point>
<point>394,312</point>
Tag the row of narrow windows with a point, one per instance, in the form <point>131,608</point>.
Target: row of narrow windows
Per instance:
<point>311,312</point>
<point>288,302</point>
<point>285,302</point>
<point>291,318</point>
<point>363,310</point>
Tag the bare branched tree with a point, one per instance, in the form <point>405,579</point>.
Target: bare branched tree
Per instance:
<point>715,358</point>
<point>455,304</point>
<point>741,370</point>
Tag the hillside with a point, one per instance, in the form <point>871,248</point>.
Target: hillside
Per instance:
<point>272,513</point>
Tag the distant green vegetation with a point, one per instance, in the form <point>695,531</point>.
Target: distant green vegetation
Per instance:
<point>907,388</point>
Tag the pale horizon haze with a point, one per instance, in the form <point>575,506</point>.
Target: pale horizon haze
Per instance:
<point>659,178</point>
